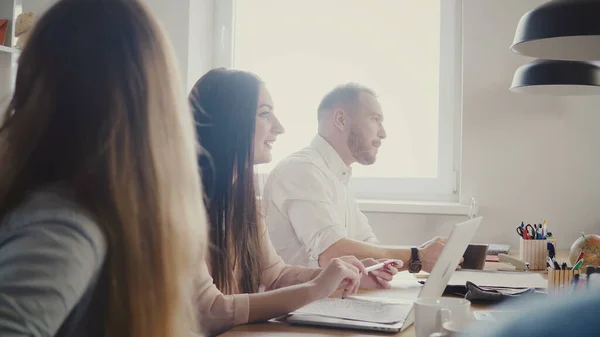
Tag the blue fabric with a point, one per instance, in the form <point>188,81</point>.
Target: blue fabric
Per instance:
<point>51,254</point>
<point>566,315</point>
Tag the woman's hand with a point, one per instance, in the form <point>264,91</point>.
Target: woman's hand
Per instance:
<point>340,273</point>
<point>379,279</point>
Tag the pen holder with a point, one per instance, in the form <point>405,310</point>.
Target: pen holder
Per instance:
<point>560,280</point>
<point>534,252</point>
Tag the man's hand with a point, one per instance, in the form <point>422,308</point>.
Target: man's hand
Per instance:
<point>379,279</point>
<point>430,251</point>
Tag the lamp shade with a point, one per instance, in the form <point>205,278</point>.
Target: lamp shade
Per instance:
<point>557,78</point>
<point>560,30</point>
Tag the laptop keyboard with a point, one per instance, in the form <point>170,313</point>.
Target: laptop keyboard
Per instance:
<point>358,310</point>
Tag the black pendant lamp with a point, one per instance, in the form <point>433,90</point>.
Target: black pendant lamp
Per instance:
<point>560,30</point>
<point>557,78</point>
<point>563,34</point>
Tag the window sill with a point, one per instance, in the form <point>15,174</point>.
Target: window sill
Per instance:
<point>414,207</point>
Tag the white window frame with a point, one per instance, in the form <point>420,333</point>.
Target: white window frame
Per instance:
<point>444,188</point>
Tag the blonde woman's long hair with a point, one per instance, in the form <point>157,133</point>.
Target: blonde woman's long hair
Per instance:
<point>98,106</point>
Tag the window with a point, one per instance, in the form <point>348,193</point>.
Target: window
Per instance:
<point>408,52</point>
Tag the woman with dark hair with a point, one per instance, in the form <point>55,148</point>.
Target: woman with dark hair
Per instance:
<point>236,125</point>
<point>102,223</point>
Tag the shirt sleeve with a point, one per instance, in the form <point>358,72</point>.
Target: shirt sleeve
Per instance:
<point>364,232</point>
<point>217,312</point>
<point>277,274</point>
<point>306,197</point>
<point>45,269</point>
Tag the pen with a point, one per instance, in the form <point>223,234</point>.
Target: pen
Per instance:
<point>574,282</point>
<point>551,250</point>
<point>379,266</point>
<point>374,267</point>
<point>580,256</point>
<point>550,262</point>
<point>578,265</point>
<point>556,265</point>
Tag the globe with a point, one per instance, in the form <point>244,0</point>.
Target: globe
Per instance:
<point>590,246</point>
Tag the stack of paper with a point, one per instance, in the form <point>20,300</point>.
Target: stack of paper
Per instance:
<point>355,308</point>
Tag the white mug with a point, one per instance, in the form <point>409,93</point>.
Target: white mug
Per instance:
<point>453,328</point>
<point>439,334</point>
<point>431,313</point>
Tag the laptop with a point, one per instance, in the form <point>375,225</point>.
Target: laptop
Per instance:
<point>403,314</point>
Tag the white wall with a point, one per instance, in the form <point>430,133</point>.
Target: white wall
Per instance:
<point>524,157</point>
<point>189,24</point>
<point>200,40</point>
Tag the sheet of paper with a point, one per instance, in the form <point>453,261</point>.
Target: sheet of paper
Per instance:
<point>405,287</point>
<point>404,280</point>
<point>358,310</point>
<point>405,276</point>
<point>499,279</point>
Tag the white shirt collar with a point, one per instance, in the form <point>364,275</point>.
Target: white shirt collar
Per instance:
<point>332,159</point>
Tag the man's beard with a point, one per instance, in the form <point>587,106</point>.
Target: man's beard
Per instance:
<point>360,148</point>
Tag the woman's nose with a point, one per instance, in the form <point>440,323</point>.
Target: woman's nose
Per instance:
<point>277,127</point>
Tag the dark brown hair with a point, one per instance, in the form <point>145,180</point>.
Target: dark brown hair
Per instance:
<point>224,103</point>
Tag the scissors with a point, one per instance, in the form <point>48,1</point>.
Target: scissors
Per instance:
<point>526,232</point>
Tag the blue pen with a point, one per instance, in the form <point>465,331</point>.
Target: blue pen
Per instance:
<point>551,250</point>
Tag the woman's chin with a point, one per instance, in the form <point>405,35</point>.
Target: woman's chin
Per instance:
<point>263,159</point>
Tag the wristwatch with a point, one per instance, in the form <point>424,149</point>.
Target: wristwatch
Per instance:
<point>414,266</point>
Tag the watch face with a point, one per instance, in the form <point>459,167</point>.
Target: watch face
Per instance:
<point>414,267</point>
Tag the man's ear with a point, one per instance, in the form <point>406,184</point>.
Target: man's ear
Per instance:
<point>340,119</point>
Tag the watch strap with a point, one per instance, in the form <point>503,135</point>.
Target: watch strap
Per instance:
<point>414,254</point>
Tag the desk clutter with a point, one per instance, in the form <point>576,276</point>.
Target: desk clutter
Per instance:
<point>495,250</point>
<point>535,232</point>
<point>568,281</point>
<point>533,244</point>
<point>487,286</point>
<point>572,280</point>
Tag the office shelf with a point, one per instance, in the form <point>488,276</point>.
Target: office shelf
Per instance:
<point>6,49</point>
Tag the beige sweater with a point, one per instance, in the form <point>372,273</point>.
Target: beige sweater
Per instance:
<point>219,312</point>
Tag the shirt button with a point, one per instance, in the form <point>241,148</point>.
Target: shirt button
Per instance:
<point>343,173</point>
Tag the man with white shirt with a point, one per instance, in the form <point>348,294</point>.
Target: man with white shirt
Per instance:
<point>311,215</point>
